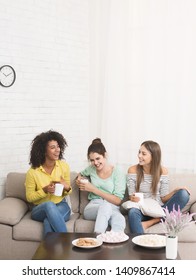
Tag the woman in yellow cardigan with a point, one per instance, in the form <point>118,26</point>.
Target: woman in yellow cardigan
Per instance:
<point>48,168</point>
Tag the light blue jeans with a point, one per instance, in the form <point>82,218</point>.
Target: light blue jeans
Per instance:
<point>135,216</point>
<point>52,215</point>
<point>104,213</point>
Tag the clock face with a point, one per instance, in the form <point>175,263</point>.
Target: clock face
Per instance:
<point>7,76</point>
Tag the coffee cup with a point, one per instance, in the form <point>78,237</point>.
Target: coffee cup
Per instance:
<point>141,196</point>
<point>58,189</point>
<point>84,180</point>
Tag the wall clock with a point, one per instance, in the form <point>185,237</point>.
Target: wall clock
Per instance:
<point>7,76</point>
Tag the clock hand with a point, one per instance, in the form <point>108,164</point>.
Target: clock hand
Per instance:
<point>9,74</point>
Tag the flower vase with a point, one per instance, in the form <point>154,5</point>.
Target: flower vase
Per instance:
<point>171,247</point>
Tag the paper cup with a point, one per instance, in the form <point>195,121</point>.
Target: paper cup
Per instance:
<point>58,189</point>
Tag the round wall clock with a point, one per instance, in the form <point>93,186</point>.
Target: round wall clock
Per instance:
<point>7,76</point>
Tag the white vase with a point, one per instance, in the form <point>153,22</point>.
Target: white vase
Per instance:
<point>171,247</point>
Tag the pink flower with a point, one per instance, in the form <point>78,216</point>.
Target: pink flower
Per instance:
<point>175,221</point>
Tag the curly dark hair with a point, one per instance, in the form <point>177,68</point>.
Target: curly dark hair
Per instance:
<point>39,144</point>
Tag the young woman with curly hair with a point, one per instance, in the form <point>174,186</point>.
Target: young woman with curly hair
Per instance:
<point>48,168</point>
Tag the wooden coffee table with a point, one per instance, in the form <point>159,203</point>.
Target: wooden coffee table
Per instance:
<point>58,246</point>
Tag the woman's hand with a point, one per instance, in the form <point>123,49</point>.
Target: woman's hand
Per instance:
<point>64,183</point>
<point>49,188</point>
<point>134,198</point>
<point>84,184</point>
<point>88,187</point>
<point>78,178</point>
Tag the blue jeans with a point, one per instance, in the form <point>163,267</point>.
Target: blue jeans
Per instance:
<point>52,215</point>
<point>104,213</point>
<point>135,216</point>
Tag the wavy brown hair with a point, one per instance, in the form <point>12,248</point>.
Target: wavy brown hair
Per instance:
<point>39,145</point>
<point>155,168</point>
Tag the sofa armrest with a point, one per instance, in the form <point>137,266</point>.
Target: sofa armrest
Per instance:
<point>12,210</point>
<point>193,210</point>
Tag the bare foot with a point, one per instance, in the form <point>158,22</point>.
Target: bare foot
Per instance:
<point>150,223</point>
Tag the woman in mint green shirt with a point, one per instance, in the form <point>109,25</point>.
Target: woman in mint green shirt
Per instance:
<point>106,187</point>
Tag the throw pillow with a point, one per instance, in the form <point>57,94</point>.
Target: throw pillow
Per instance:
<point>130,204</point>
<point>150,207</point>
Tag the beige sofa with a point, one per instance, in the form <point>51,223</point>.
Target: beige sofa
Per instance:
<point>20,235</point>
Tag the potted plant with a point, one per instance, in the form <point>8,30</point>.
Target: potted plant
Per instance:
<point>174,222</point>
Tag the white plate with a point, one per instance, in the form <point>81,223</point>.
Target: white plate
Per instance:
<point>113,239</point>
<point>153,241</point>
<point>98,242</point>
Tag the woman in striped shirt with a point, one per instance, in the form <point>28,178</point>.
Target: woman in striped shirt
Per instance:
<point>151,178</point>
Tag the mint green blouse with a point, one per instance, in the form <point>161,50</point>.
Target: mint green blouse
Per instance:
<point>115,184</point>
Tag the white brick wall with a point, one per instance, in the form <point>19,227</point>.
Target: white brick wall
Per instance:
<point>47,42</point>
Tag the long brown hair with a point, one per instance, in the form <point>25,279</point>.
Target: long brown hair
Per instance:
<point>155,167</point>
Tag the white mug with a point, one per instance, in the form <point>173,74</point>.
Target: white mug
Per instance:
<point>58,189</point>
<point>141,196</point>
<point>84,180</point>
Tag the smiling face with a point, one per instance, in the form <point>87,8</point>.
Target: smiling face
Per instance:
<point>144,156</point>
<point>97,160</point>
<point>52,150</point>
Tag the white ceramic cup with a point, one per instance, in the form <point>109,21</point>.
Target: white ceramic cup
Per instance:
<point>58,189</point>
<point>84,180</point>
<point>141,196</point>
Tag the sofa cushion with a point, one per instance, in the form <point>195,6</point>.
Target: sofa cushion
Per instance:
<point>74,196</point>
<point>15,185</point>
<point>83,200</point>
<point>30,230</point>
<point>184,179</point>
<point>188,234</point>
<point>150,207</point>
<point>12,210</point>
<point>85,226</point>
